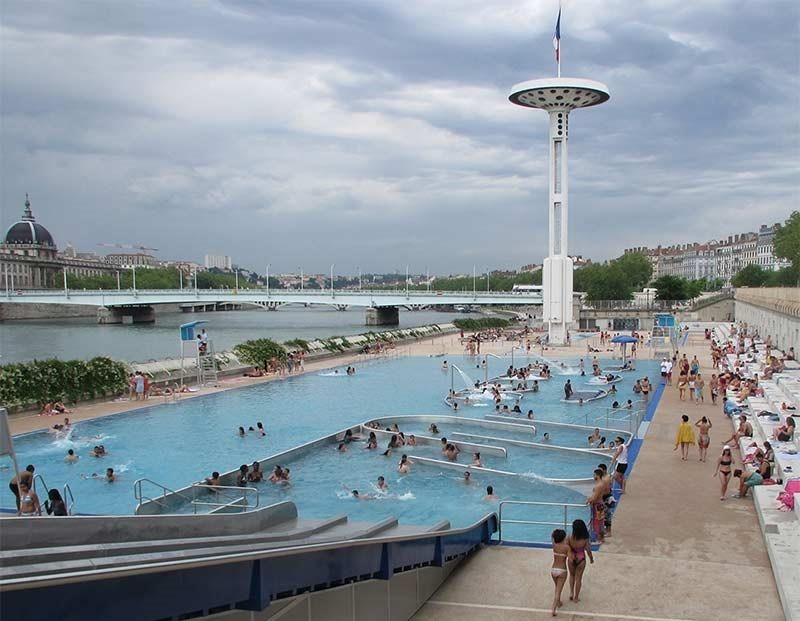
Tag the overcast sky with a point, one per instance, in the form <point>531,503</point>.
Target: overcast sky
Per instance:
<point>380,134</point>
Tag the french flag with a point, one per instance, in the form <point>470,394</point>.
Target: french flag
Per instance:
<point>557,37</point>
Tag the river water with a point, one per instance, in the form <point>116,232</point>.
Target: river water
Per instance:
<point>84,338</point>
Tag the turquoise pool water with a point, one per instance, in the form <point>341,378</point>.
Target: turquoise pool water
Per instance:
<point>179,443</point>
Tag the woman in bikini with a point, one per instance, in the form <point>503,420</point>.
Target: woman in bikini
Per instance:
<point>724,463</point>
<point>28,501</point>
<point>704,440</point>
<point>580,544</point>
<point>558,572</point>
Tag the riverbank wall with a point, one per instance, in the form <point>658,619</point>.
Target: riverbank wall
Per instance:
<point>31,312</point>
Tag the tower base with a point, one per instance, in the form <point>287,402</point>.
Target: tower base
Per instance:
<point>557,303</point>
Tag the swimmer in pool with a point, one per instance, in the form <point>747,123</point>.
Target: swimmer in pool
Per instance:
<point>342,448</point>
<point>490,495</point>
<point>241,432</point>
<point>261,431</point>
<point>354,493</point>
<point>382,484</point>
<point>476,460</point>
<point>404,467</point>
<point>71,457</point>
<point>546,437</point>
<point>433,428</point>
<point>108,477</point>
<point>467,477</point>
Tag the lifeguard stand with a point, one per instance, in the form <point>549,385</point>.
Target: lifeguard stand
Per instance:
<point>664,336</point>
<point>205,362</point>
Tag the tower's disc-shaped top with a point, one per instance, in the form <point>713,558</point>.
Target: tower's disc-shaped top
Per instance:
<point>567,93</point>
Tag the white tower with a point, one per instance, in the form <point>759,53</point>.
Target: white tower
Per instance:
<point>558,96</point>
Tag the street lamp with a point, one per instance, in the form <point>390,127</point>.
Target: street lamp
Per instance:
<point>118,286</point>
<point>301,278</point>
<point>268,264</point>
<point>133,269</point>
<point>332,266</point>
<point>474,282</point>
<point>487,279</point>
<point>428,278</point>
<point>406,281</point>
<point>358,267</point>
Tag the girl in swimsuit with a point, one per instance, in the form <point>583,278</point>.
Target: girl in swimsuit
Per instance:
<point>580,544</point>
<point>558,572</point>
<point>704,441</point>
<point>724,463</point>
<point>28,501</point>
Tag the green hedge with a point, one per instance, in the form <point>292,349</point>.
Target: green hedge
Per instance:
<point>41,381</point>
<point>475,325</point>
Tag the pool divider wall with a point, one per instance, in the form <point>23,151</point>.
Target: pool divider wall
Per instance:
<point>430,441</point>
<point>601,453</point>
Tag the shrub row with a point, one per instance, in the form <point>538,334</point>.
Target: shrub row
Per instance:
<point>41,381</point>
<point>484,323</point>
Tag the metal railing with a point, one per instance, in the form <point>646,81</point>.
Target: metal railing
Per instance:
<point>142,498</point>
<point>562,523</point>
<point>39,477</point>
<point>69,498</point>
<point>225,498</point>
<point>617,418</point>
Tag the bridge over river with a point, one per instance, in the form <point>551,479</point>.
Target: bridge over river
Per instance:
<point>136,305</point>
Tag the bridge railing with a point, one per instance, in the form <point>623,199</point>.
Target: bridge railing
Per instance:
<point>276,292</point>
<point>653,305</point>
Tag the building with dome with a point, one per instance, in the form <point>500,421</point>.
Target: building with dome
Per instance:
<point>29,258</point>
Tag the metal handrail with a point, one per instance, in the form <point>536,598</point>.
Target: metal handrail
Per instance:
<point>139,496</point>
<point>68,494</point>
<point>234,502</point>
<point>44,484</point>
<point>500,519</point>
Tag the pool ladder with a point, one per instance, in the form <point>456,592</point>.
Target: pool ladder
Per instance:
<point>67,496</point>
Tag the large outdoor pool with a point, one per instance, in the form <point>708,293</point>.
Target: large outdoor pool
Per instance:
<point>179,443</point>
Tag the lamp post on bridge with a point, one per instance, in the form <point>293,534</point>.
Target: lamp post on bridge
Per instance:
<point>120,288</point>
<point>428,278</point>
<point>487,279</point>
<point>268,279</point>
<point>301,278</point>
<point>133,271</point>
<point>358,268</point>
<point>333,295</point>
<point>406,281</point>
<point>474,282</point>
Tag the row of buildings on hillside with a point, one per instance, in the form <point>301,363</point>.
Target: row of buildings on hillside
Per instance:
<point>30,259</point>
<point>716,258</point>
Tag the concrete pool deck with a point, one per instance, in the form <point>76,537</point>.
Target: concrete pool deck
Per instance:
<point>677,551</point>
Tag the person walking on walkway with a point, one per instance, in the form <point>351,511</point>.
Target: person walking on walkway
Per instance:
<point>703,440</point>
<point>580,543</point>
<point>724,463</point>
<point>562,554</point>
<point>685,437</point>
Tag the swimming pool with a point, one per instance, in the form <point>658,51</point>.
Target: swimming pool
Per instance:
<point>177,443</point>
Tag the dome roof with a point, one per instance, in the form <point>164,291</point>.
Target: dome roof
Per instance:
<point>28,231</point>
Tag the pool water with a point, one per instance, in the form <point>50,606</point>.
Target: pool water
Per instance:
<point>179,443</point>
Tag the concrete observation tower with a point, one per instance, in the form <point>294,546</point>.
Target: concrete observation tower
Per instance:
<point>558,97</point>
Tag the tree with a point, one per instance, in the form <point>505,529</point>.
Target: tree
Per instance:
<point>751,276</point>
<point>603,282</point>
<point>636,267</point>
<point>671,288</point>
<point>787,240</point>
<point>259,352</point>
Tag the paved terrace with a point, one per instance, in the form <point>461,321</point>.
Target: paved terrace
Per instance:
<point>677,551</point>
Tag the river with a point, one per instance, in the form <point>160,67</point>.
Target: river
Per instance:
<point>84,338</point>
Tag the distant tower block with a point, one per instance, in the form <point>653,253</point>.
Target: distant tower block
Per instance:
<point>558,96</point>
